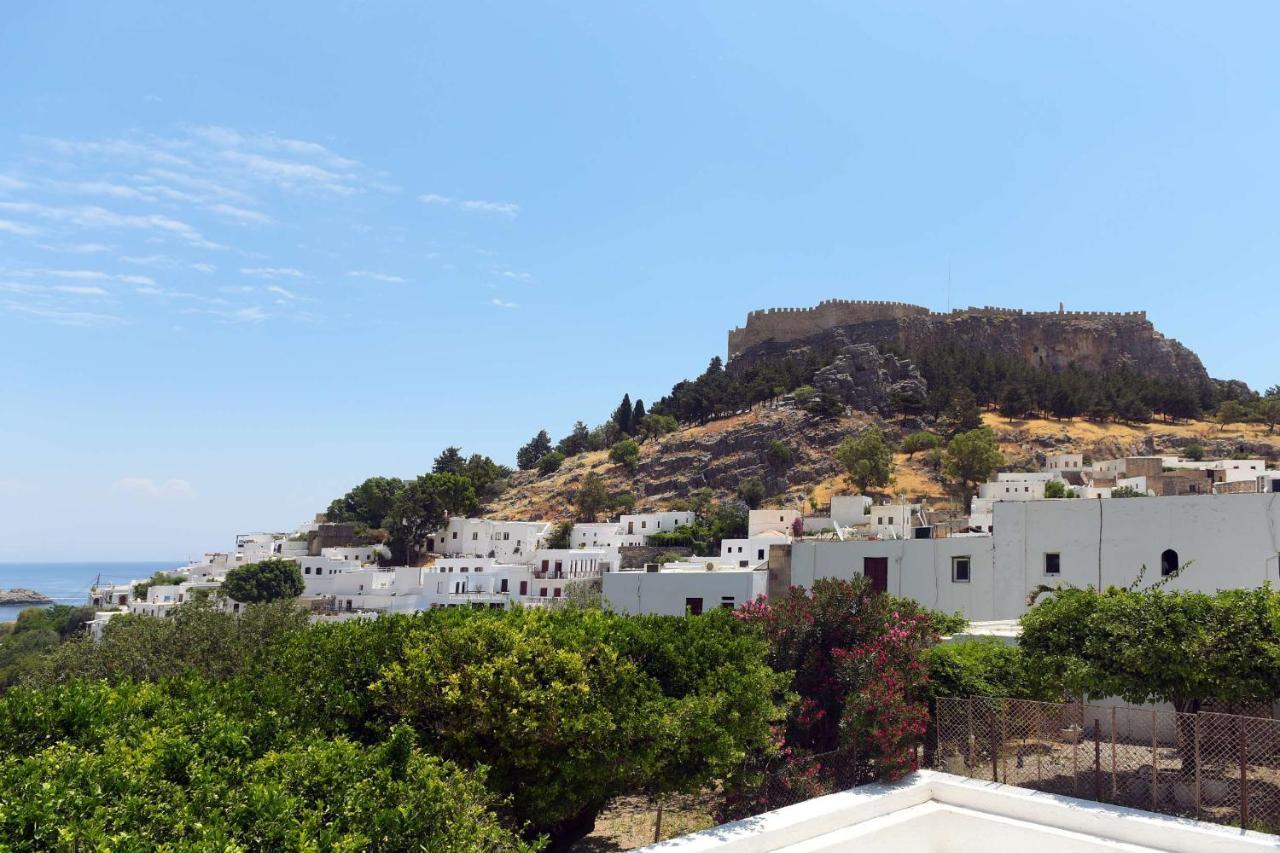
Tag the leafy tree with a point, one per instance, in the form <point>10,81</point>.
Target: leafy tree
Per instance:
<point>487,477</point>
<point>751,492</point>
<point>1194,452</point>
<point>449,461</point>
<point>539,446</point>
<point>1127,492</point>
<point>422,507</point>
<point>1152,645</point>
<point>777,454</point>
<point>971,458</point>
<point>561,537</point>
<point>157,579</point>
<point>983,666</point>
<point>858,671</point>
<point>825,406</point>
<point>1231,412</point>
<point>197,636</point>
<point>592,498</point>
<point>962,414</point>
<point>805,394</point>
<point>626,453</point>
<point>1015,401</point>
<point>920,441</point>
<point>867,459</point>
<point>656,424</point>
<point>368,503</point>
<point>550,462</point>
<point>1064,405</point>
<point>577,441</point>
<point>624,415</point>
<point>184,765</point>
<point>267,580</point>
<point>1057,489</point>
<point>618,705</point>
<point>1268,412</point>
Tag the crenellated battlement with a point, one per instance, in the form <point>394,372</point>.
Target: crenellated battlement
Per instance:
<point>788,324</point>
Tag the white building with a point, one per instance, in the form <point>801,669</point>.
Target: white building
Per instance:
<point>1229,541</point>
<point>574,563</point>
<point>648,523</point>
<point>1060,463</point>
<point>1226,470</point>
<point>677,589</point>
<point>601,535</point>
<point>752,551</point>
<point>776,520</point>
<point>482,537</point>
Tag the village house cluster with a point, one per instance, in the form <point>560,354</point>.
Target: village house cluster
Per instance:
<point>1212,524</point>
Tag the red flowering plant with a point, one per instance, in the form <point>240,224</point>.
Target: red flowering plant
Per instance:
<point>856,658</point>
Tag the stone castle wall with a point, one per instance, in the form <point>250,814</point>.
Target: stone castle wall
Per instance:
<point>793,324</point>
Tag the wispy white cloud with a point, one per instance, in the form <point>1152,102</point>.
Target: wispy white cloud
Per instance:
<point>240,214</point>
<point>8,226</point>
<point>287,295</point>
<point>80,289</point>
<point>62,316</point>
<point>376,276</point>
<point>76,248</point>
<point>504,208</point>
<point>9,182</point>
<point>152,488</point>
<point>92,216</point>
<point>272,272</point>
<point>502,304</point>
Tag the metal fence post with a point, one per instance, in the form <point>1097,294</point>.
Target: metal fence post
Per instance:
<point>1244,774</point>
<point>972,758</point>
<point>1039,737</point>
<point>1155,762</point>
<point>1197,740</point>
<point>1113,752</point>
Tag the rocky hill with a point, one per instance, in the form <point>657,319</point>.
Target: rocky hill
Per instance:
<point>720,454</point>
<point>1091,341</point>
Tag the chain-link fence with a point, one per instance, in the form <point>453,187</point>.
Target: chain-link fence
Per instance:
<point>631,822</point>
<point>1211,766</point>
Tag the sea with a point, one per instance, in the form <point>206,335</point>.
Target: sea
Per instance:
<point>68,583</point>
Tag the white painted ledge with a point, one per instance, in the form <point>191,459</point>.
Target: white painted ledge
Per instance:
<point>932,811</point>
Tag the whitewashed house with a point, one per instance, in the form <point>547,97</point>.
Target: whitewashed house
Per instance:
<point>482,537</point>
<point>689,587</point>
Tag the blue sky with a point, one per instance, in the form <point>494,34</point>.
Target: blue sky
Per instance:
<point>253,253</point>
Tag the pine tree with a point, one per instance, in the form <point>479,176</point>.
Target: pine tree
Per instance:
<point>637,417</point>
<point>527,457</point>
<point>624,414</point>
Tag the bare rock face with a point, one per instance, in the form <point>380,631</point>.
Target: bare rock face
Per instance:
<point>1091,341</point>
<point>870,381</point>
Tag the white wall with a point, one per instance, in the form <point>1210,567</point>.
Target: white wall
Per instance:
<point>665,593</point>
<point>1231,541</point>
<point>761,520</point>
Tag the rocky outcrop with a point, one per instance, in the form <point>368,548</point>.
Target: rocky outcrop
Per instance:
<point>21,596</point>
<point>870,381</point>
<point>1053,340</point>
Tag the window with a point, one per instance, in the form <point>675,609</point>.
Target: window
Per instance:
<point>524,587</point>
<point>1052,564</point>
<point>455,535</point>
<point>759,553</point>
<point>726,601</point>
<point>475,536</point>
<point>556,592</point>
<point>306,570</point>
<point>693,606</point>
<point>503,586</point>
<point>1169,563</point>
<point>959,569</point>
<point>542,592</point>
<point>464,569</point>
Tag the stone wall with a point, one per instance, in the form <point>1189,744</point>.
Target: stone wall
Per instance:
<point>793,324</point>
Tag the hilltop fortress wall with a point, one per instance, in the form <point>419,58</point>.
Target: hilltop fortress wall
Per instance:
<point>782,325</point>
